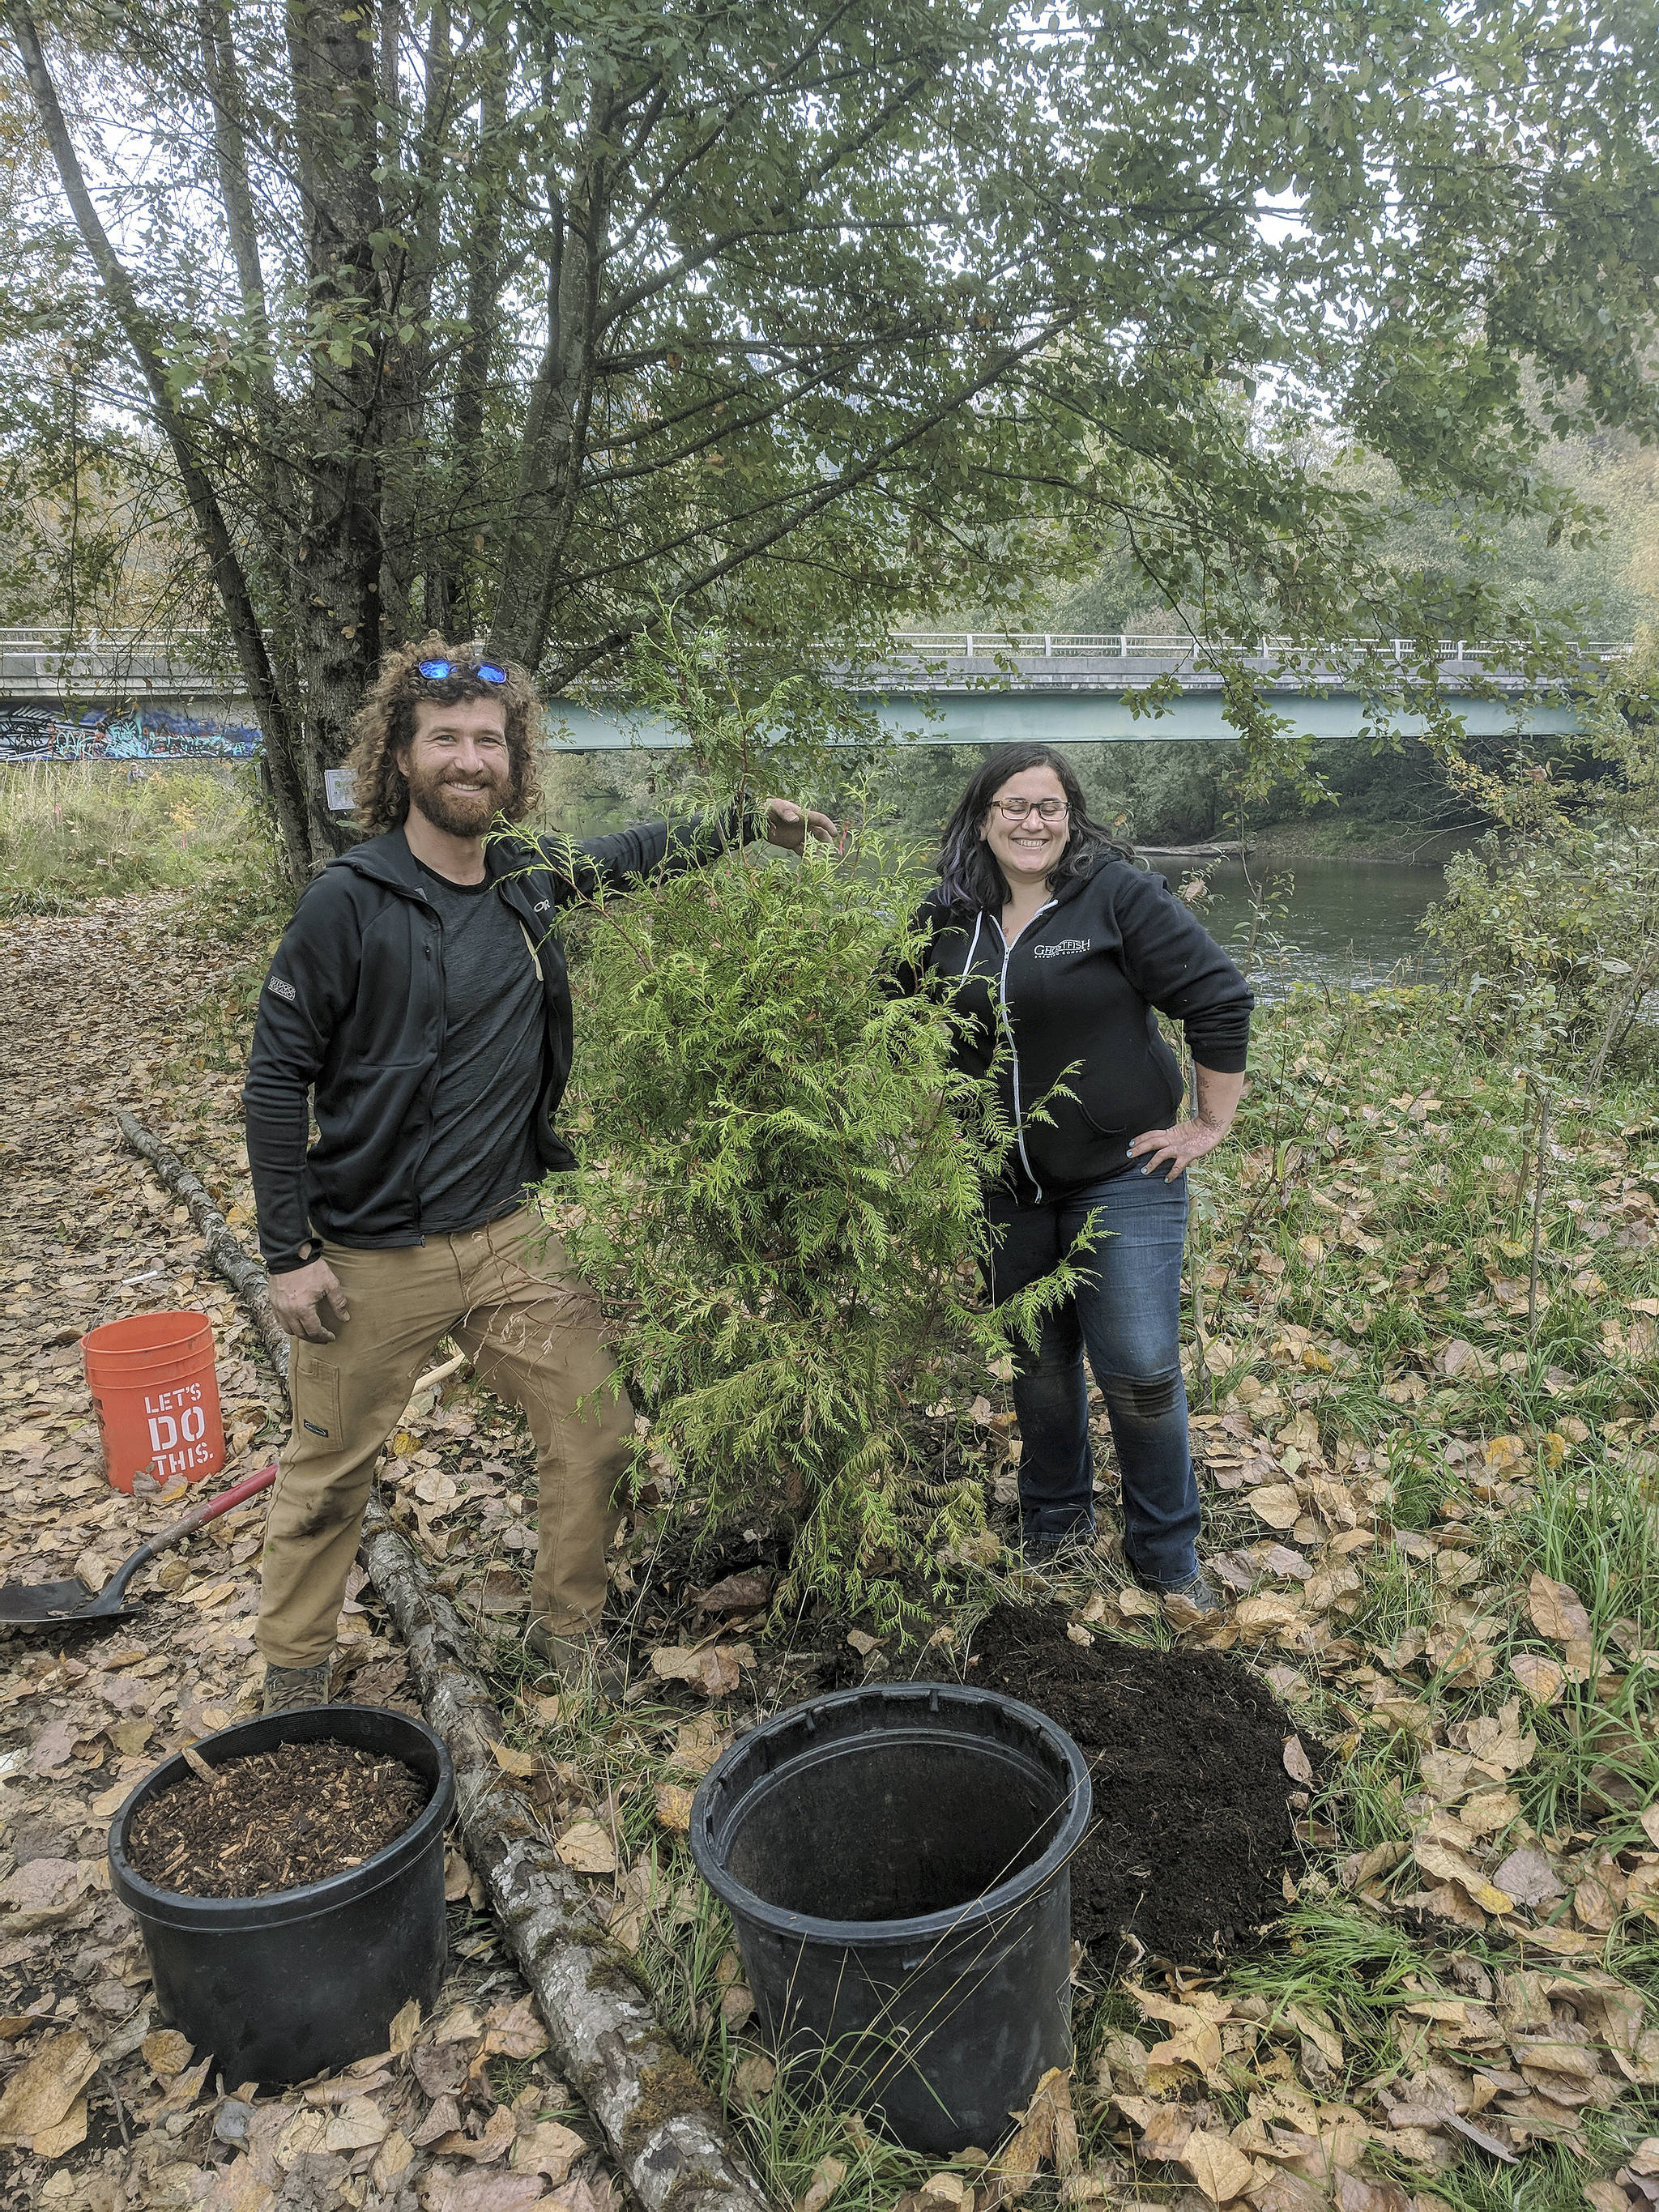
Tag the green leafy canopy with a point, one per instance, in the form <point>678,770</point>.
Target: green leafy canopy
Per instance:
<point>513,319</point>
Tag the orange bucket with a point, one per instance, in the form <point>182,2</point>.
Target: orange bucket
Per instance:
<point>153,1380</point>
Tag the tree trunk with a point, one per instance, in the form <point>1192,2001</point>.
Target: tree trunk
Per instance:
<point>561,401</point>
<point>228,577</point>
<point>464,544</point>
<point>337,632</point>
<point>406,473</point>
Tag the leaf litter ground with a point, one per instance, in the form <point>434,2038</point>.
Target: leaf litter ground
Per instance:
<point>104,2107</point>
<point>1439,1529</point>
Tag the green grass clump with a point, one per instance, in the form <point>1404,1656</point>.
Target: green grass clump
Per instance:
<point>76,831</point>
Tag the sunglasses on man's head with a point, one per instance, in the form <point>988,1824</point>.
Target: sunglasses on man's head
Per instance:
<point>485,670</point>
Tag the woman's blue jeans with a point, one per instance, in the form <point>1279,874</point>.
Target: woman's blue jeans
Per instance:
<point>1127,1315</point>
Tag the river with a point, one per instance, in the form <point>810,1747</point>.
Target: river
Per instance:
<point>1352,924</point>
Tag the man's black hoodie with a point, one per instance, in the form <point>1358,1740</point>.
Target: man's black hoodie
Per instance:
<point>1077,991</point>
<point>353,1008</point>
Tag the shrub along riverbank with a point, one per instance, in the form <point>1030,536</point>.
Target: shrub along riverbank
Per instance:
<point>73,832</point>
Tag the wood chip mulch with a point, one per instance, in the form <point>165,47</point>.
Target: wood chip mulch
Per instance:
<point>274,1820</point>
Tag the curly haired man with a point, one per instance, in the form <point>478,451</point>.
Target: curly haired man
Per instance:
<point>419,1002</point>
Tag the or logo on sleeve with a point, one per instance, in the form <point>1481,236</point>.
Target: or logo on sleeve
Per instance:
<point>1059,950</point>
<point>283,990</point>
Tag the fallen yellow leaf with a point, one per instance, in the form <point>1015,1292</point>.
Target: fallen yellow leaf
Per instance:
<point>1541,1678</point>
<point>674,1807</point>
<point>42,2093</point>
<point>1258,1616</point>
<point>69,2132</point>
<point>1276,1504</point>
<point>166,2052</point>
<point>548,2148</point>
<point>586,1848</point>
<point>1556,1609</point>
<point>1222,2173</point>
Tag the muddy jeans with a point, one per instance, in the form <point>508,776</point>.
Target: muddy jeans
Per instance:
<point>1127,1315</point>
<point>506,1296</point>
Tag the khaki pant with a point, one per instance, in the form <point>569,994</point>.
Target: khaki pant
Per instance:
<point>507,1298</point>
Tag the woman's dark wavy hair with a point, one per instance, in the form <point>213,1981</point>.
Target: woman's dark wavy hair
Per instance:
<point>969,872</point>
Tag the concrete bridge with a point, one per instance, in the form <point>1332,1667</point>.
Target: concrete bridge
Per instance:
<point>115,696</point>
<point>976,688</point>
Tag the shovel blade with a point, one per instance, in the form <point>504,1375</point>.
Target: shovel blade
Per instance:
<point>39,1604</point>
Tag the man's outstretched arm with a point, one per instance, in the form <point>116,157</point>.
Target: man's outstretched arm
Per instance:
<point>660,848</point>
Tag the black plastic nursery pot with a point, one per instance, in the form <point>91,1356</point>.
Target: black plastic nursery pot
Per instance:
<point>897,1863</point>
<point>304,1980</point>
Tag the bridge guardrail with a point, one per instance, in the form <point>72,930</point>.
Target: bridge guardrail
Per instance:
<point>45,659</point>
<point>1169,645</point>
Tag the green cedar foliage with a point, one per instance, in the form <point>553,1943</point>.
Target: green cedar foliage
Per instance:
<point>782,1198</point>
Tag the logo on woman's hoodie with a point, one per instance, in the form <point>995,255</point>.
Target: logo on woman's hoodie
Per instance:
<point>1058,951</point>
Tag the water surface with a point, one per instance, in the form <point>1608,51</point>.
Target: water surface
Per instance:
<point>1353,923</point>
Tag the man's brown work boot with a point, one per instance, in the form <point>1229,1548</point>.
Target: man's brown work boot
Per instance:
<point>289,1687</point>
<point>583,1661</point>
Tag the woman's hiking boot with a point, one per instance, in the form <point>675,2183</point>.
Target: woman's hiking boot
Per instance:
<point>287,1688</point>
<point>580,1662</point>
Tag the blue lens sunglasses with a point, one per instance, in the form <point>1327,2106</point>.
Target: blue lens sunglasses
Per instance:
<point>486,670</point>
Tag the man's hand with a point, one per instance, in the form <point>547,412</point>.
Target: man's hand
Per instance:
<point>787,825</point>
<point>300,1300</point>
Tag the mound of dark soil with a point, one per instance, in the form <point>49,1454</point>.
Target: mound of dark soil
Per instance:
<point>274,1820</point>
<point>1192,1830</point>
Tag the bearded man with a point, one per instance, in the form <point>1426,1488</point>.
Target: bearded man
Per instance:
<point>419,997</point>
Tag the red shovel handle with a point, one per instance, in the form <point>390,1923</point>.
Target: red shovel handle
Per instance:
<point>226,1502</point>
<point>238,1494</point>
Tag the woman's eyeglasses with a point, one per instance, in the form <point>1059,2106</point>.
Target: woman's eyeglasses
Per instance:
<point>486,671</point>
<point>1015,810</point>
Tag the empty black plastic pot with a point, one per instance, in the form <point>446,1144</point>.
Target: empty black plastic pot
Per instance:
<point>281,1987</point>
<point>897,1863</point>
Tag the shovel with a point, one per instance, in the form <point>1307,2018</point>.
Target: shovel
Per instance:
<point>51,1605</point>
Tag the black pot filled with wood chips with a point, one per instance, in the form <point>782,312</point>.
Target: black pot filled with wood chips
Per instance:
<point>288,1876</point>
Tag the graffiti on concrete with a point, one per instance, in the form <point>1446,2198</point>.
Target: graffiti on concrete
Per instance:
<point>42,731</point>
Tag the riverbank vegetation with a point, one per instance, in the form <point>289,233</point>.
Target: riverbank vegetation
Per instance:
<point>1429,1468</point>
<point>71,833</point>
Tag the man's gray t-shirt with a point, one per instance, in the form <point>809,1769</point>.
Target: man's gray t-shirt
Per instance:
<point>483,1150</point>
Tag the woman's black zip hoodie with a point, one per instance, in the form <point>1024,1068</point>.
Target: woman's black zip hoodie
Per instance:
<point>1076,991</point>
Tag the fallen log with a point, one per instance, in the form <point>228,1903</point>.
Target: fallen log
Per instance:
<point>663,2131</point>
<point>246,1276</point>
<point>662,2128</point>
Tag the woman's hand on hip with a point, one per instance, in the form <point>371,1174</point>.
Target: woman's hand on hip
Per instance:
<point>1217,1102</point>
<point>1180,1147</point>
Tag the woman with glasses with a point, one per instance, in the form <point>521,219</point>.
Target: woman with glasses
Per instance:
<point>1060,949</point>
